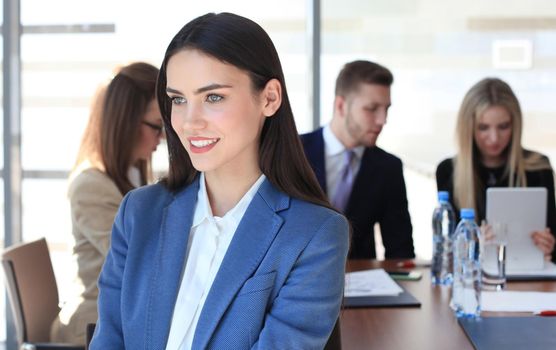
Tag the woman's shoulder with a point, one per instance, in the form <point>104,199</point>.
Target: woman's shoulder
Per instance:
<point>150,195</point>
<point>296,211</point>
<point>91,180</point>
<point>89,174</point>
<point>312,214</point>
<point>529,154</point>
<point>445,167</point>
<point>536,161</point>
<point>446,163</point>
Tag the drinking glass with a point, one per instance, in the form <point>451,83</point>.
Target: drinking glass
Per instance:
<point>494,240</point>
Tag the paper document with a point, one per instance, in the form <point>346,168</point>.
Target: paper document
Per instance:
<point>513,301</point>
<point>549,269</point>
<point>375,282</point>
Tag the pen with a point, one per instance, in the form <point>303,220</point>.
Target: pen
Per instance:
<point>546,313</point>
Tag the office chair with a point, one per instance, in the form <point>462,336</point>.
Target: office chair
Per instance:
<point>33,295</point>
<point>90,332</point>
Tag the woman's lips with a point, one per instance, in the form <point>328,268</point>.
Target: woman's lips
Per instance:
<point>202,145</point>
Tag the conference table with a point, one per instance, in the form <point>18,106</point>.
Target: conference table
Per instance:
<point>431,326</point>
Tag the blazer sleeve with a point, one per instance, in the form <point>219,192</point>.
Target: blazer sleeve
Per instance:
<point>94,203</point>
<point>108,331</point>
<point>395,226</point>
<point>307,306</point>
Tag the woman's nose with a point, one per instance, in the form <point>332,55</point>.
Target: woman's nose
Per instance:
<point>493,136</point>
<point>193,118</point>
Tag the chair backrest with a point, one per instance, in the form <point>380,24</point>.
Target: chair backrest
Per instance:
<point>32,289</point>
<point>90,332</point>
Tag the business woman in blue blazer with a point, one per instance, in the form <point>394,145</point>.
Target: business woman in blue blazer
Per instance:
<point>239,188</point>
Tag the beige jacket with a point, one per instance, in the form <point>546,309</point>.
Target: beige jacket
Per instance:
<point>94,200</point>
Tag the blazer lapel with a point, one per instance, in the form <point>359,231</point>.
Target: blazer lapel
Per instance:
<point>253,237</point>
<point>319,160</point>
<point>313,145</point>
<point>363,180</point>
<point>169,264</point>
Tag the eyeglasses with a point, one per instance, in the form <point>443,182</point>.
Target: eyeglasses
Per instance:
<point>159,129</point>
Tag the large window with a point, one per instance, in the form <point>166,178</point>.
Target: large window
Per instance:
<point>436,49</point>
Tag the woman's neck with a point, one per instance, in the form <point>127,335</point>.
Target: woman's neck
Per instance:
<point>493,162</point>
<point>225,191</point>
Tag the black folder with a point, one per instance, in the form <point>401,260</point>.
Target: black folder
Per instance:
<point>404,299</point>
<point>525,278</point>
<point>510,333</point>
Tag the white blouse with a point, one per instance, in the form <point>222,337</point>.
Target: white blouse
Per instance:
<point>209,239</point>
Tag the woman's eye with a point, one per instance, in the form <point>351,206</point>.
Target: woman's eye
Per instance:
<point>178,100</point>
<point>214,98</point>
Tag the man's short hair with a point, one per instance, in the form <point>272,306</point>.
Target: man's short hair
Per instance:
<point>357,72</point>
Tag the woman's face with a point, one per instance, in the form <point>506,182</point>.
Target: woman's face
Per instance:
<point>215,112</point>
<point>493,132</point>
<point>150,132</point>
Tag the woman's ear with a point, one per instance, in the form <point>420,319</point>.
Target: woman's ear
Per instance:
<point>271,97</point>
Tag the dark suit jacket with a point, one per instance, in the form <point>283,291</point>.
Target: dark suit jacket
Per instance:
<point>378,195</point>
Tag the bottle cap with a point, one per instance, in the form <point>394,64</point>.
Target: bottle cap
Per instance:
<point>443,196</point>
<point>467,213</point>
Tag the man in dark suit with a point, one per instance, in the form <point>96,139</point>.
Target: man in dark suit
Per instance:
<point>361,179</point>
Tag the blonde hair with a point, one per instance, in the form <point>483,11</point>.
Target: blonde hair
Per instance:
<point>487,93</point>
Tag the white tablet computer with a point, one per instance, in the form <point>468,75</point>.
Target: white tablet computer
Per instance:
<point>523,209</point>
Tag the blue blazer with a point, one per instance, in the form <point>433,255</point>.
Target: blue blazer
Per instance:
<point>378,196</point>
<point>280,284</point>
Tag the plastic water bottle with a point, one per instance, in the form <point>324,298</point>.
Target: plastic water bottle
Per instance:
<point>443,225</point>
<point>466,289</point>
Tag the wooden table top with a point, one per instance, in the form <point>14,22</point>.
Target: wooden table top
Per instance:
<point>432,326</point>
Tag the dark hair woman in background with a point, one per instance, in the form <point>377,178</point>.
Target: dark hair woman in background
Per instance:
<point>123,131</point>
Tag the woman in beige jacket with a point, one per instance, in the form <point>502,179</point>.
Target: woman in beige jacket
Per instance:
<point>123,131</point>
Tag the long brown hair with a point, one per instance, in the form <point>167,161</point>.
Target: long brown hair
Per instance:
<point>244,44</point>
<point>114,124</point>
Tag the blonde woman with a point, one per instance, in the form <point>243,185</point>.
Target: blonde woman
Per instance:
<point>124,129</point>
<point>490,154</point>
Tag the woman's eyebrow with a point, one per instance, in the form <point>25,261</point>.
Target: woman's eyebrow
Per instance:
<point>211,87</point>
<point>174,91</point>
<point>201,89</point>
